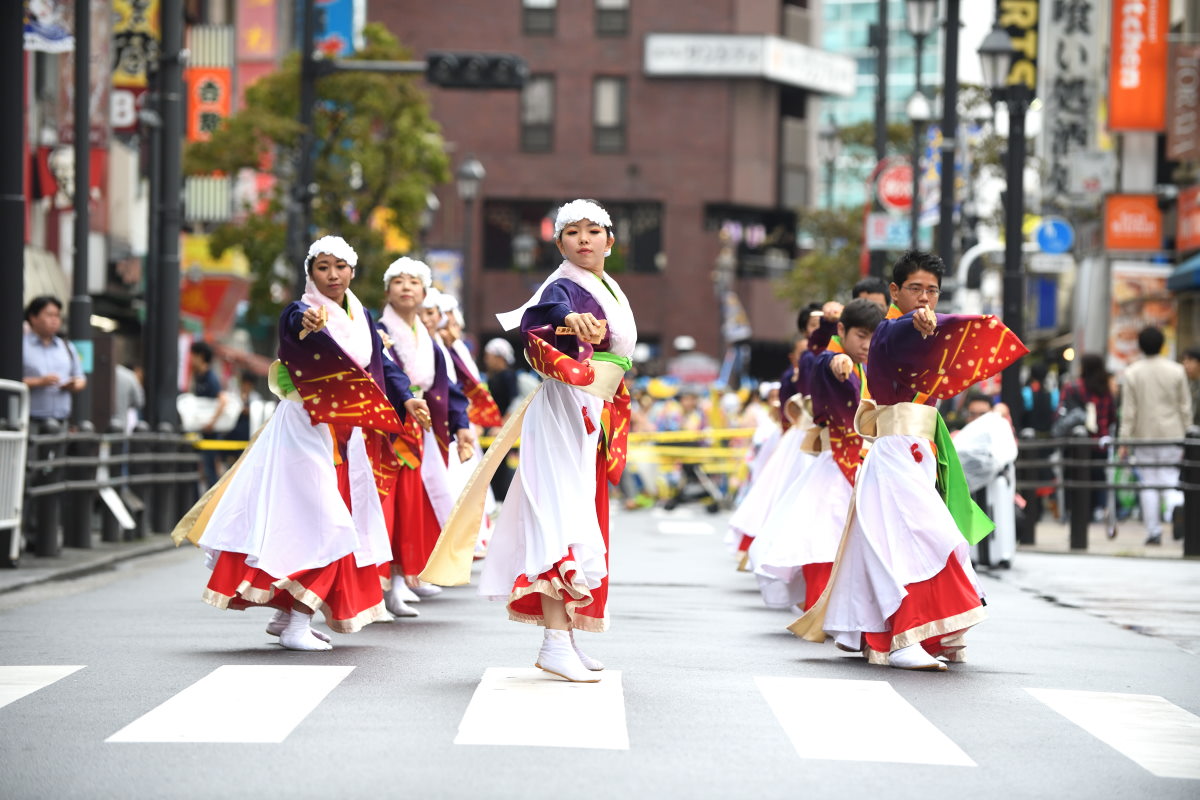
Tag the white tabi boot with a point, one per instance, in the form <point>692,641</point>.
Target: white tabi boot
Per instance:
<point>424,590</point>
<point>299,635</point>
<point>279,622</point>
<point>914,657</point>
<point>393,600</point>
<point>558,657</point>
<point>588,662</point>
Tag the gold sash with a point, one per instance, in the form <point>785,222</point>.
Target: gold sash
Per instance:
<point>607,381</point>
<point>816,440</point>
<point>902,419</point>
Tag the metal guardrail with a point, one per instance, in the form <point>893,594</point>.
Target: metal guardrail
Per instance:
<point>1065,465</point>
<point>125,485</point>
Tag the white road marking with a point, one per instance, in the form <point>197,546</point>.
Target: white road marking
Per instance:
<point>237,704</point>
<point>16,682</point>
<point>1158,735</point>
<point>848,720</point>
<point>527,707</point>
<point>685,527</point>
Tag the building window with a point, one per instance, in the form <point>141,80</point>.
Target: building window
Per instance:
<point>537,114</point>
<point>537,17</point>
<point>519,235</point>
<point>608,115</point>
<point>612,17</point>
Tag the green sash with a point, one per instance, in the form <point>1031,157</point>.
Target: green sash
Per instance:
<point>621,361</point>
<point>952,486</point>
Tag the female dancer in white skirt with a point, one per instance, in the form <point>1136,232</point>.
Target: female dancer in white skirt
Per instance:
<point>548,557</point>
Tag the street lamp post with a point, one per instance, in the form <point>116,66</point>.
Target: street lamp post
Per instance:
<point>829,146</point>
<point>995,54</point>
<point>919,112</point>
<point>470,175</point>
<point>919,19</point>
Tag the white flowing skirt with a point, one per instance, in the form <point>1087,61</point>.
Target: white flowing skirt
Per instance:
<point>900,533</point>
<point>459,473</point>
<point>283,509</point>
<point>550,509</point>
<point>435,474</point>
<point>787,463</point>
<point>804,527</point>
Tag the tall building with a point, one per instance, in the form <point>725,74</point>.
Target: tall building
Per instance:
<point>846,29</point>
<point>692,124</point>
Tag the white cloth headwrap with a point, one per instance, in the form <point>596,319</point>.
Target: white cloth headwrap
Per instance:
<point>353,332</point>
<point>433,297</point>
<point>334,246</point>
<point>577,210</point>
<point>500,347</point>
<point>622,329</point>
<point>408,266</point>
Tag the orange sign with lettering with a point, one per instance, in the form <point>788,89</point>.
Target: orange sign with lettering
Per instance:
<point>1137,78</point>
<point>209,100</point>
<point>1132,222</point>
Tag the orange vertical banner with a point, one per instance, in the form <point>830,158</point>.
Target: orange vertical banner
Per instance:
<point>1137,83</point>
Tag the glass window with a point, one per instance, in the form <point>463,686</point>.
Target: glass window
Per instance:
<point>612,17</point>
<point>538,17</point>
<point>608,115</point>
<point>537,114</point>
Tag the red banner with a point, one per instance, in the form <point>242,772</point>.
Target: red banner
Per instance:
<point>210,94</point>
<point>1137,84</point>
<point>1187,230</point>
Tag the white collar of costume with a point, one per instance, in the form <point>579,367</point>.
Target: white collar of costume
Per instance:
<point>351,331</point>
<point>621,327</point>
<point>413,345</point>
<point>451,372</point>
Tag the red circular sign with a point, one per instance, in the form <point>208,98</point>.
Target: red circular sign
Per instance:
<point>893,187</point>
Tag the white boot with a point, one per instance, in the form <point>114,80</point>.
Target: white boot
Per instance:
<point>914,657</point>
<point>558,657</point>
<point>279,622</point>
<point>424,590</point>
<point>299,635</point>
<point>590,663</point>
<point>393,600</point>
<point>402,591</point>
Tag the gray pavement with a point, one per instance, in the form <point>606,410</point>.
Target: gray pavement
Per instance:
<point>690,636</point>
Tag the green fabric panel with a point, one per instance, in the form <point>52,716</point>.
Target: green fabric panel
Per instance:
<point>621,361</point>
<point>284,379</point>
<point>952,485</point>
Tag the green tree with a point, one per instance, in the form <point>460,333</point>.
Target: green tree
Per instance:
<point>831,267</point>
<point>376,147</point>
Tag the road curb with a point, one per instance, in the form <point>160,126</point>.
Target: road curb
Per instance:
<point>76,563</point>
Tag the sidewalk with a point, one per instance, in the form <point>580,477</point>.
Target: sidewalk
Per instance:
<point>1055,537</point>
<point>76,562</point>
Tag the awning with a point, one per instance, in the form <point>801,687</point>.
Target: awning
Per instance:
<point>1186,277</point>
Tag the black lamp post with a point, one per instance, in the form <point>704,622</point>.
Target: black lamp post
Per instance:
<point>470,175</point>
<point>829,146</point>
<point>995,54</point>
<point>919,113</point>
<point>919,19</point>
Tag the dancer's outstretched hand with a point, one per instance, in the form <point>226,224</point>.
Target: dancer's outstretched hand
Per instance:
<point>841,366</point>
<point>420,411</point>
<point>465,439</point>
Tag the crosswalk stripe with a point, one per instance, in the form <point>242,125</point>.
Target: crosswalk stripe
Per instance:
<point>1158,735</point>
<point>258,704</point>
<point>517,706</point>
<point>16,682</point>
<point>849,720</point>
<point>685,527</point>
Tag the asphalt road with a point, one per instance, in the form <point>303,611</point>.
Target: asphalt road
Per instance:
<point>713,697</point>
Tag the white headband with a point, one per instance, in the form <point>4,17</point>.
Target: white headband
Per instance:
<point>335,246</point>
<point>577,210</point>
<point>408,266</point>
<point>432,298</point>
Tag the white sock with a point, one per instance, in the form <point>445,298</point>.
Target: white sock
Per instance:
<point>558,657</point>
<point>393,600</point>
<point>299,635</point>
<point>280,621</point>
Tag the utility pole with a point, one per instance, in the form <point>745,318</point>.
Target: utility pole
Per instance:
<point>12,189</point>
<point>945,233</point>
<point>300,207</point>
<point>879,38</point>
<point>79,324</point>
<point>162,374</point>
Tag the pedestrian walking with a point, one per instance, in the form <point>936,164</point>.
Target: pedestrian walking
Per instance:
<point>1089,402</point>
<point>1156,403</point>
<point>50,364</point>
<point>297,523</point>
<point>902,589</point>
<point>548,558</point>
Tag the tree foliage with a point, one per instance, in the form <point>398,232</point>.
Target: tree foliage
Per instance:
<point>830,268</point>
<point>376,148</point>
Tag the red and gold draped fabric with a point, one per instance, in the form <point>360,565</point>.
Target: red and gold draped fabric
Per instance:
<point>837,414</point>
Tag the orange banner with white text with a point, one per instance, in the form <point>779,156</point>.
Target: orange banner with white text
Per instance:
<point>1137,83</point>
